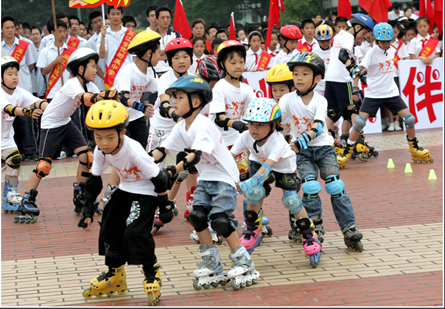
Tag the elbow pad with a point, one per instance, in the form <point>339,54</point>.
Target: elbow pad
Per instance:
<point>10,110</point>
<point>162,150</point>
<point>163,111</point>
<point>222,123</point>
<point>162,181</point>
<point>343,55</point>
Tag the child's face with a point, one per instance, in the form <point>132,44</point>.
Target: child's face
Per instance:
<point>212,83</point>
<point>368,37</point>
<point>396,32</point>
<point>181,61</point>
<point>274,41</point>
<point>436,33</point>
<point>198,48</point>
<point>410,33</point>
<point>215,49</point>
<point>11,77</point>
<point>423,27</point>
<point>325,44</point>
<point>234,65</point>
<point>241,35</point>
<point>340,26</point>
<point>107,140</point>
<point>90,71</point>
<point>303,76</point>
<point>258,130</point>
<point>222,36</point>
<point>279,90</point>
<point>181,104</point>
<point>115,17</point>
<point>385,45</point>
<point>212,32</point>
<point>309,30</point>
<point>255,43</point>
<point>361,33</point>
<point>156,57</point>
<point>291,45</point>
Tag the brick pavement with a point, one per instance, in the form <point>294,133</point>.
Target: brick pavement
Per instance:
<point>400,215</point>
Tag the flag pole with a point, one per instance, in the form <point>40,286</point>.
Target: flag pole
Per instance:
<point>103,14</point>
<point>56,38</point>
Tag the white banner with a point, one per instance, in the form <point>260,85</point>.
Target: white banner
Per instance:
<point>421,87</point>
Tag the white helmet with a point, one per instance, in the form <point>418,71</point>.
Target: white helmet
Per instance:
<point>81,57</point>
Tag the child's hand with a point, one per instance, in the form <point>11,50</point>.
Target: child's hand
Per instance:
<point>238,188</point>
<point>261,69</point>
<point>424,59</point>
<point>85,224</point>
<point>294,147</point>
<point>149,111</point>
<point>36,113</point>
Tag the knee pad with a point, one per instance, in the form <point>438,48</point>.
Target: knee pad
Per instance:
<point>354,110</point>
<point>198,218</point>
<point>335,186</point>
<point>89,161</point>
<point>15,159</point>
<point>311,187</point>
<point>43,167</point>
<point>292,202</point>
<point>359,124</point>
<point>221,224</point>
<point>255,195</point>
<point>334,115</point>
<point>409,120</point>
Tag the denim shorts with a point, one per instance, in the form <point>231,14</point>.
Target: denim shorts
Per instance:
<point>288,181</point>
<point>217,197</point>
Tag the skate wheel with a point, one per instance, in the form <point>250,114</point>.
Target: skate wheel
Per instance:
<point>220,240</point>
<point>222,282</point>
<point>353,156</point>
<point>235,286</point>
<point>248,282</point>
<point>206,286</point>
<point>150,300</point>
<point>122,291</point>
<point>87,293</point>
<point>289,235</point>
<point>154,230</point>
<point>243,285</point>
<point>375,153</point>
<point>22,220</point>
<point>33,220</point>
<point>363,157</point>
<point>16,220</point>
<point>269,231</point>
<point>175,211</point>
<point>214,284</point>
<point>254,281</point>
<point>196,285</point>
<point>359,246</point>
<point>312,261</point>
<point>28,220</point>
<point>431,160</point>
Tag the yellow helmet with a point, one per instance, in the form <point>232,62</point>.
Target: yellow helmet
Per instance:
<point>107,114</point>
<point>143,41</point>
<point>280,74</point>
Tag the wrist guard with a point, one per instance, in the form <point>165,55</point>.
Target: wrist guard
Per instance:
<point>163,109</point>
<point>239,126</point>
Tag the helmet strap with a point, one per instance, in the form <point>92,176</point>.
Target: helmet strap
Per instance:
<point>285,42</point>
<point>85,82</point>
<point>179,73</point>
<point>264,138</point>
<point>118,142</point>
<point>192,109</point>
<point>10,89</point>
<point>227,73</point>
<point>302,94</point>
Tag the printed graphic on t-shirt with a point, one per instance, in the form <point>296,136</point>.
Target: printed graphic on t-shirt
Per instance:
<point>136,92</point>
<point>386,67</point>
<point>131,174</point>
<point>235,109</point>
<point>302,124</point>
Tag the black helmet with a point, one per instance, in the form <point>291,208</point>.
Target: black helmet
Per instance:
<point>208,69</point>
<point>308,59</point>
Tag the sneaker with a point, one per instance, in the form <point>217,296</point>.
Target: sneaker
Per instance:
<point>391,127</point>
<point>62,155</point>
<point>397,127</point>
<point>31,157</point>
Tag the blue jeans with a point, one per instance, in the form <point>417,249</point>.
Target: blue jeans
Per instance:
<point>324,158</point>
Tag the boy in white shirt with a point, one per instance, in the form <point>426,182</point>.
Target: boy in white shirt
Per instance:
<point>58,129</point>
<point>313,145</point>
<point>15,101</point>
<point>382,90</point>
<point>271,159</point>
<point>202,145</point>
<point>126,222</point>
<point>289,36</point>
<point>307,42</point>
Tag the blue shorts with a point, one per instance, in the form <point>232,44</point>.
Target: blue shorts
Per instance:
<point>217,197</point>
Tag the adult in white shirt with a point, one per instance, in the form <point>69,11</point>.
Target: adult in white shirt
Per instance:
<point>151,17</point>
<point>396,12</point>
<point>94,43</point>
<point>75,26</point>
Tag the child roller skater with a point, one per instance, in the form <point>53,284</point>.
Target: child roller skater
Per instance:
<point>382,90</point>
<point>271,159</point>
<point>201,146</point>
<point>127,220</point>
<point>313,146</point>
<point>15,102</point>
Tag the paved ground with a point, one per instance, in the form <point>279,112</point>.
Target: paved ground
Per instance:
<point>400,215</point>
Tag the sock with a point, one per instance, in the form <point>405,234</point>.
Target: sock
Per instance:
<point>351,143</point>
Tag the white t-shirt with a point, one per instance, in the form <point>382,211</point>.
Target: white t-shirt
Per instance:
<point>64,104</point>
<point>283,57</point>
<point>337,70</point>
<point>415,45</point>
<point>362,49</point>
<point>325,55</point>
<point>402,51</point>
<point>216,164</point>
<point>133,80</point>
<point>303,116</point>
<point>194,67</point>
<point>252,59</point>
<point>48,39</point>
<point>380,77</point>
<point>275,52</point>
<point>230,100</point>
<point>133,164</point>
<point>21,98</point>
<point>276,149</point>
<point>46,56</point>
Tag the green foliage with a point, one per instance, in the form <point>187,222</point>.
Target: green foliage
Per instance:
<point>299,10</point>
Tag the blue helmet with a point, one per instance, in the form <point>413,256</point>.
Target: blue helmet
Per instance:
<point>363,20</point>
<point>191,84</point>
<point>383,32</point>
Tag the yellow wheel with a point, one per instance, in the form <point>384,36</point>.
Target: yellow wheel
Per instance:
<point>122,291</point>
<point>150,300</point>
<point>431,160</point>
<point>87,293</point>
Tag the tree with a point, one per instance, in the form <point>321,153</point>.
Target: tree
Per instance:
<point>299,10</point>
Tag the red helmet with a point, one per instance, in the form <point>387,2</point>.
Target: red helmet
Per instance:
<point>291,32</point>
<point>176,45</point>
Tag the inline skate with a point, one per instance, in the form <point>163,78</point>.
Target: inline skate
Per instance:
<point>352,238</point>
<point>157,223</point>
<point>152,285</point>
<point>418,154</point>
<point>115,280</point>
<point>28,210</point>
<point>210,270</point>
<point>109,190</point>
<point>243,271</point>
<point>363,150</point>
<point>189,201</point>
<point>79,199</point>
<point>343,158</point>
<point>266,230</point>
<point>217,239</point>
<point>311,244</point>
<point>11,199</point>
<point>252,235</point>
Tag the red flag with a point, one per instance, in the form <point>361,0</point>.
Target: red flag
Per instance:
<point>438,15</point>
<point>378,9</point>
<point>344,8</point>
<point>181,24</point>
<point>426,9</point>
<point>95,3</point>
<point>275,9</point>
<point>232,33</point>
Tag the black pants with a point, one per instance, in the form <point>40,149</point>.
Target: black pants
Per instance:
<point>125,233</point>
<point>138,130</point>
